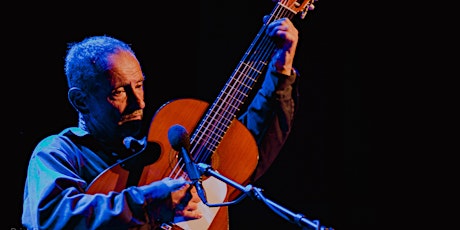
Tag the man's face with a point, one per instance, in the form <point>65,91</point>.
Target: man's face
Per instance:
<point>117,106</point>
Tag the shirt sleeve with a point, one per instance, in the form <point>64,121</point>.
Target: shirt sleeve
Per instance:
<point>55,198</point>
<point>270,116</point>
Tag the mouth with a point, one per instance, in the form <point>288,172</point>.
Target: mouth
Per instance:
<point>135,116</point>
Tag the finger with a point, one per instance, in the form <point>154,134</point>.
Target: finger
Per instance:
<point>195,197</point>
<point>192,205</point>
<point>162,188</point>
<point>181,196</point>
<point>266,18</point>
<point>280,25</point>
<point>175,184</point>
<point>190,214</point>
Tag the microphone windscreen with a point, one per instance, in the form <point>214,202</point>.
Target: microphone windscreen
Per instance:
<point>178,137</point>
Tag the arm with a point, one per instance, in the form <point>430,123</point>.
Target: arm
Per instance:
<point>270,115</point>
<point>54,196</point>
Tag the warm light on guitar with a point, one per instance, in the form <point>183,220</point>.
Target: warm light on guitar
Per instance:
<point>226,144</point>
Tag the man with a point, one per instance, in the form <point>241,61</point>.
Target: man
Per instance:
<point>105,83</point>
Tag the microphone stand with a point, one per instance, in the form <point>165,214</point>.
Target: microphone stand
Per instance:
<point>249,190</point>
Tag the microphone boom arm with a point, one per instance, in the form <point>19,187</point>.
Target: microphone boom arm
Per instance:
<point>254,192</point>
<point>180,141</point>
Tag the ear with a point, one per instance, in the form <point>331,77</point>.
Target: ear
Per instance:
<point>77,98</point>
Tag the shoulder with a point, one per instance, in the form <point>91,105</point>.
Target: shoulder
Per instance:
<point>58,145</point>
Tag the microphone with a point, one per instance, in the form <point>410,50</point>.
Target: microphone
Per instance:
<point>180,141</point>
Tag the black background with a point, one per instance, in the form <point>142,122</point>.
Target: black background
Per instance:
<point>330,169</point>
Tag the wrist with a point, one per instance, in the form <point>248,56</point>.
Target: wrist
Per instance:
<point>285,79</point>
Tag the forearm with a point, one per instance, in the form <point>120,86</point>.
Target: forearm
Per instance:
<point>70,209</point>
<point>56,199</point>
<point>270,115</point>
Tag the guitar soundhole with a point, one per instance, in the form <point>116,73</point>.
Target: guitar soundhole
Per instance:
<point>174,157</point>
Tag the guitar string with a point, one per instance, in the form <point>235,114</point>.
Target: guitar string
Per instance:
<point>216,114</point>
<point>246,83</point>
<point>219,118</point>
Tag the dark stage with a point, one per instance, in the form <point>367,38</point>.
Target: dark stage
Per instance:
<point>328,169</point>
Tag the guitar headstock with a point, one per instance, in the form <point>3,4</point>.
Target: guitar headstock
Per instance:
<point>297,6</point>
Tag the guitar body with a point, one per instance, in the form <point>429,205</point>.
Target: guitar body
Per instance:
<point>236,158</point>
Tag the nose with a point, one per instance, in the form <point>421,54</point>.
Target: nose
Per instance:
<point>135,98</point>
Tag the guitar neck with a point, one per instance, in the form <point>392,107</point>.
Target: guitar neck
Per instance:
<point>220,115</point>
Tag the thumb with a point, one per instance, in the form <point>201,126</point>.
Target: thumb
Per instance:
<point>174,184</point>
<point>162,189</point>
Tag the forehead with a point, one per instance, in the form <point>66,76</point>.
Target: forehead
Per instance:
<point>123,60</point>
<point>124,67</point>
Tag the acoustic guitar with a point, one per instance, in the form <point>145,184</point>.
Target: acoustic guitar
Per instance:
<point>217,139</point>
